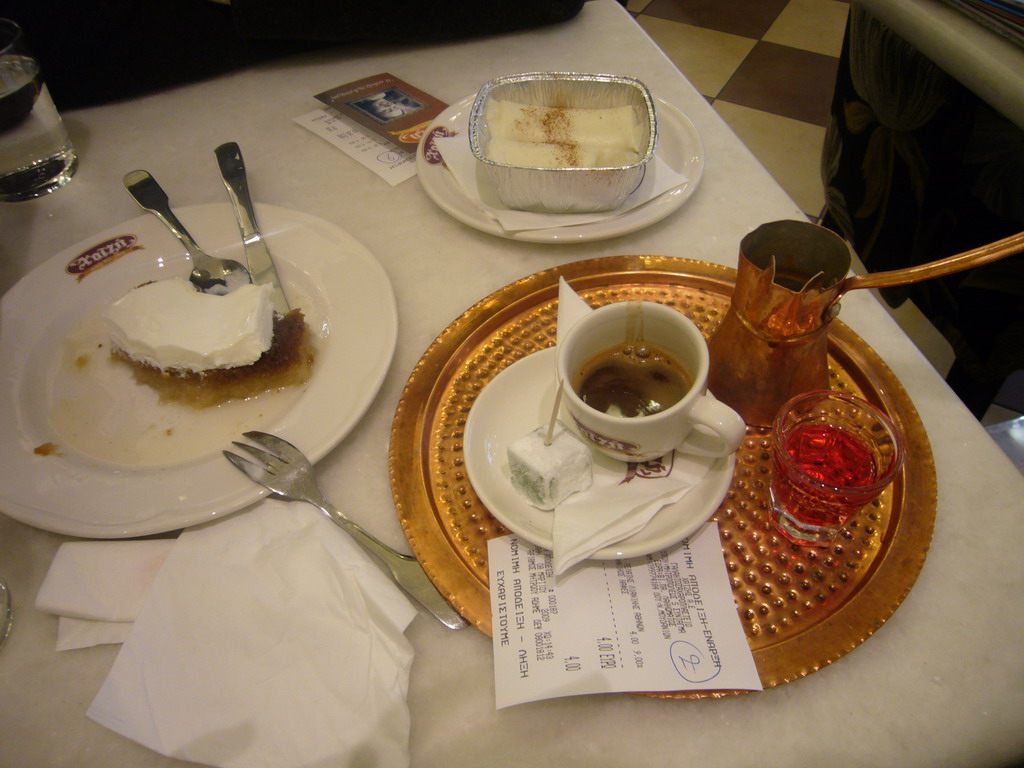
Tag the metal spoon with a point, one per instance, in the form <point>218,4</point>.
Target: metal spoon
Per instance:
<point>209,274</point>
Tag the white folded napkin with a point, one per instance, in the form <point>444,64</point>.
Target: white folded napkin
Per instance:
<point>623,496</point>
<point>658,178</point>
<point>97,588</point>
<point>571,308</point>
<point>270,639</point>
<point>621,501</point>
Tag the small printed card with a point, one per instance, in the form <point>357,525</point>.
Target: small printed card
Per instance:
<point>387,106</point>
<point>378,121</point>
<point>662,622</point>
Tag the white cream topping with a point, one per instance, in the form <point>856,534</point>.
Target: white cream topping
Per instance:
<point>169,324</point>
<point>555,137</point>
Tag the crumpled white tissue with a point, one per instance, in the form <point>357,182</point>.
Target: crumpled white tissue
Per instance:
<point>268,639</point>
<point>97,588</point>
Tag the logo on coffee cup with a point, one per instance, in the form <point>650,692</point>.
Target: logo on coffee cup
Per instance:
<point>621,446</point>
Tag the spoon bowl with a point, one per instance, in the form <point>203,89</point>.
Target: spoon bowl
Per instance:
<point>209,274</point>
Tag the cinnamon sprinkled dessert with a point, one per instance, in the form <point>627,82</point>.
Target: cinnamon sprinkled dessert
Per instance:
<point>563,137</point>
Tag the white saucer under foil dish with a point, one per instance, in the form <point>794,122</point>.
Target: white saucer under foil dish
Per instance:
<point>518,400</point>
<point>86,451</point>
<point>679,146</point>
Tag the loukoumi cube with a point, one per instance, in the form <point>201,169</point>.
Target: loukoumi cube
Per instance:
<point>548,474</point>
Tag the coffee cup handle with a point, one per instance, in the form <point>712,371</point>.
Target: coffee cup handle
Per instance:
<point>717,429</point>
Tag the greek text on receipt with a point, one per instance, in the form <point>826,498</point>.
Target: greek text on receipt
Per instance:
<point>662,622</point>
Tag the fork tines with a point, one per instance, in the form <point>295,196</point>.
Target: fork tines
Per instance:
<point>271,442</point>
<point>250,468</point>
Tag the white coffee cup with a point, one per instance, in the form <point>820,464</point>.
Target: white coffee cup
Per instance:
<point>696,424</point>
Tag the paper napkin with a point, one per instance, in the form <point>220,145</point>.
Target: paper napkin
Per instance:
<point>571,308</point>
<point>623,496</point>
<point>97,588</point>
<point>621,501</point>
<point>269,639</point>
<point>658,178</point>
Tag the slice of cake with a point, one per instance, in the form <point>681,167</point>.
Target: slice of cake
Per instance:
<point>202,350</point>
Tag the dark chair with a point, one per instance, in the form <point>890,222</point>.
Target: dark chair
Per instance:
<point>916,167</point>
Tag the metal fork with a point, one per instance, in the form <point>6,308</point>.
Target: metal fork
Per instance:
<point>289,475</point>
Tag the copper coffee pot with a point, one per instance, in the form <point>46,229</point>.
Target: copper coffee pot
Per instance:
<point>773,342</point>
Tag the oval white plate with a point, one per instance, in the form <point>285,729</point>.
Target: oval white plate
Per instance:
<point>518,400</point>
<point>123,464</point>
<point>679,145</point>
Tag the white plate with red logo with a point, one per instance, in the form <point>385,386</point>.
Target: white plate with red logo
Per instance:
<point>517,401</point>
<point>679,145</point>
<point>86,451</point>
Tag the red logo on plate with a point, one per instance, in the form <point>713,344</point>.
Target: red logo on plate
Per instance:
<point>101,255</point>
<point>430,151</point>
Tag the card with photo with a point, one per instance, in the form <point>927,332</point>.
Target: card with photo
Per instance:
<point>388,106</point>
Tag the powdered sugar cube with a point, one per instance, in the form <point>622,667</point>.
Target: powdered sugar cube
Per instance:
<point>547,474</point>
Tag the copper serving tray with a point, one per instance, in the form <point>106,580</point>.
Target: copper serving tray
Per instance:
<point>801,608</point>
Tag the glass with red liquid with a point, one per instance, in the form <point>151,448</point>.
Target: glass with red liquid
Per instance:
<point>832,454</point>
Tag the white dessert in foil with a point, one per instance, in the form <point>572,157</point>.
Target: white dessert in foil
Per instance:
<point>563,137</point>
<point>169,325</point>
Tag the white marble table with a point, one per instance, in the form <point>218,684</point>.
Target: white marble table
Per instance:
<point>941,683</point>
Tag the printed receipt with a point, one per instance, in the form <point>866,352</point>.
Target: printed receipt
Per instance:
<point>662,622</point>
<point>391,164</point>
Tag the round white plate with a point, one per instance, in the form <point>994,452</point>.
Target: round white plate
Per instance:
<point>679,145</point>
<point>519,399</point>
<point>87,452</point>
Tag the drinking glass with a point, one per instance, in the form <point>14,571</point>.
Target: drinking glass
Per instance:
<point>832,454</point>
<point>36,156</point>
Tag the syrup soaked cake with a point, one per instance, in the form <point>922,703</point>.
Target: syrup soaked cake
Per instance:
<point>202,350</point>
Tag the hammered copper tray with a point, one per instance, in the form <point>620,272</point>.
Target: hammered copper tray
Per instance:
<point>801,608</point>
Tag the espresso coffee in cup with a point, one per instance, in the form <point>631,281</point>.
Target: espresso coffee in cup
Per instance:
<point>634,377</point>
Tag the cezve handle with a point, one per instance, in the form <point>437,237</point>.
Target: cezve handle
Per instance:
<point>975,257</point>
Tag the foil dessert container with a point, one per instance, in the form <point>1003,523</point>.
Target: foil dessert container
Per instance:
<point>565,189</point>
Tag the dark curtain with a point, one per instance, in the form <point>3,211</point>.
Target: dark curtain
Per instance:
<point>916,167</point>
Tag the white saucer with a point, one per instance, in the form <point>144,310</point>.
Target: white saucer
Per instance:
<point>87,452</point>
<point>520,399</point>
<point>679,145</point>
